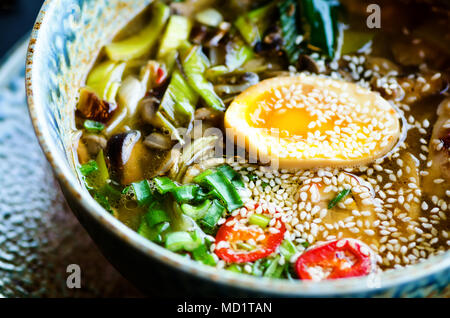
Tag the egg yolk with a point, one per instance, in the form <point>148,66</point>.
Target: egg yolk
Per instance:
<point>309,121</point>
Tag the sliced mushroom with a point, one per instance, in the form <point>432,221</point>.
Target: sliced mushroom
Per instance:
<point>125,153</point>
<point>94,143</point>
<point>148,108</point>
<point>158,141</point>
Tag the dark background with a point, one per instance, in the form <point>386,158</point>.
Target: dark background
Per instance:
<point>17,18</point>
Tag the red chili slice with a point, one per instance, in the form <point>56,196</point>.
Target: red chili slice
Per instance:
<point>229,235</point>
<point>160,76</point>
<point>336,259</point>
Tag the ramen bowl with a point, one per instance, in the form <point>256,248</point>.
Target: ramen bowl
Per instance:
<point>64,45</point>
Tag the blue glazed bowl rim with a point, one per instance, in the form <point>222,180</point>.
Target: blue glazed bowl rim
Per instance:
<point>399,278</point>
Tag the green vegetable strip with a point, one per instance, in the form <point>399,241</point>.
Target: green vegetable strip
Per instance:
<point>164,185</point>
<point>104,80</point>
<point>179,101</point>
<point>93,126</point>
<point>235,268</point>
<point>321,18</point>
<point>156,214</point>
<point>260,220</point>
<point>238,53</point>
<point>338,198</point>
<point>179,241</point>
<point>201,254</point>
<point>103,201</point>
<point>290,29</point>
<point>88,168</point>
<point>271,271</point>
<point>185,193</point>
<point>103,176</point>
<point>226,191</point>
<point>196,212</point>
<point>141,44</point>
<point>287,249</point>
<point>213,214</point>
<point>233,176</point>
<point>143,192</point>
<point>195,64</point>
<point>155,233</point>
<point>254,24</point>
<point>177,31</point>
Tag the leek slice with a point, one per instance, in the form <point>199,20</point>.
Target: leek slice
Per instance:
<point>195,64</point>
<point>179,100</point>
<point>140,44</point>
<point>254,24</point>
<point>104,80</point>
<point>177,31</point>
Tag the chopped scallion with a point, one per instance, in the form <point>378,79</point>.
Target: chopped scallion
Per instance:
<point>143,192</point>
<point>93,126</point>
<point>338,198</point>
<point>88,168</point>
<point>164,184</point>
<point>260,220</point>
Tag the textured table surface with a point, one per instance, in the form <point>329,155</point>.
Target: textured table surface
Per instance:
<point>39,235</point>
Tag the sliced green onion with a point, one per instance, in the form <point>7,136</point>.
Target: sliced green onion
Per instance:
<point>156,233</point>
<point>260,220</point>
<point>213,215</point>
<point>256,268</point>
<point>156,214</point>
<point>126,190</point>
<point>225,190</point>
<point>287,249</point>
<point>338,198</point>
<point>164,185</point>
<point>235,268</point>
<point>88,168</point>
<point>202,254</point>
<point>196,212</point>
<point>103,201</point>
<point>201,177</point>
<point>93,126</point>
<point>245,246</point>
<point>111,192</point>
<point>271,271</point>
<point>143,192</point>
<point>185,193</point>
<point>179,241</point>
<point>305,244</point>
<point>233,176</point>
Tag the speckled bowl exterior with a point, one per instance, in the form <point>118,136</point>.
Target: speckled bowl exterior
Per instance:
<point>64,44</point>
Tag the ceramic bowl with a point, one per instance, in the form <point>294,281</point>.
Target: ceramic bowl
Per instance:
<point>64,44</point>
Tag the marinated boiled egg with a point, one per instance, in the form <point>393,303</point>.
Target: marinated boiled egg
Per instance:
<point>308,121</point>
